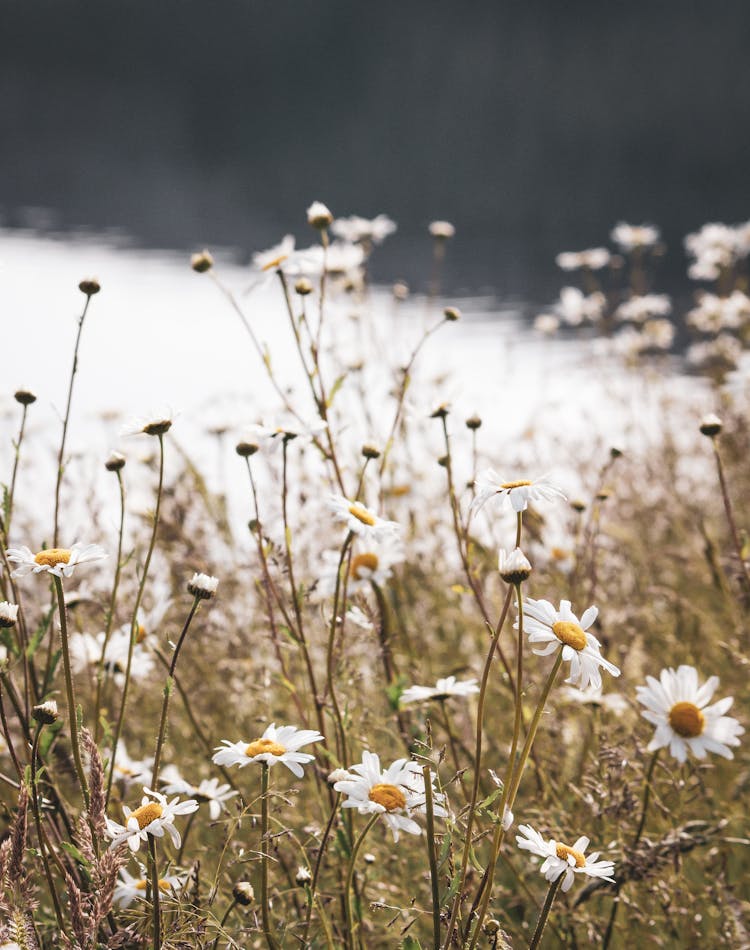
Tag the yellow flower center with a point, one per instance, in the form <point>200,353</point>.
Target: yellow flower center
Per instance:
<point>564,852</point>
<point>271,265</point>
<point>140,634</point>
<point>362,514</point>
<point>389,796</point>
<point>142,885</point>
<point>53,556</point>
<point>559,554</point>
<point>367,561</point>
<point>259,746</point>
<point>147,813</point>
<point>508,485</point>
<point>570,634</point>
<point>687,720</point>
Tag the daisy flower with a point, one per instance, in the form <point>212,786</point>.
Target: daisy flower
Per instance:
<point>443,689</point>
<point>130,888</point>
<point>274,257</point>
<point>209,791</point>
<point>154,816</point>
<point>593,259</point>
<point>631,236</point>
<point>684,721</point>
<point>131,771</point>
<point>394,793</point>
<point>561,859</point>
<point>561,628</point>
<point>58,561</point>
<point>355,229</point>
<point>275,745</point>
<point>8,614</point>
<point>488,483</point>
<point>371,563</point>
<point>157,423</point>
<point>361,520</point>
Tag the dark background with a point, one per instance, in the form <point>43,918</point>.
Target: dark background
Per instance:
<point>532,126</point>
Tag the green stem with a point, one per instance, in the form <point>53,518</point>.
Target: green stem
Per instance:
<point>16,461</point>
<point>268,932</point>
<point>542,922</point>
<point>40,833</point>
<point>155,895</point>
<point>434,880</point>
<point>331,651</point>
<point>730,515</point>
<point>70,695</point>
<point>168,687</point>
<point>61,453</point>
<point>646,797</point>
<point>350,925</point>
<point>110,609</point>
<point>134,620</point>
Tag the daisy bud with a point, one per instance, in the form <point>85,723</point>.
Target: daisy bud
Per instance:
<point>369,857</point>
<point>473,423</point>
<point>441,412</point>
<point>243,893</point>
<point>711,425</point>
<point>492,926</point>
<point>24,396</point>
<point>443,461</point>
<point>578,505</point>
<point>515,567</point>
<point>45,713</point>
<point>303,287</point>
<point>89,286</point>
<point>8,614</point>
<point>201,262</point>
<point>452,314</point>
<point>115,462</point>
<point>604,493</point>
<point>302,876</point>
<point>400,290</point>
<point>318,216</point>
<point>246,449</point>
<point>442,230</point>
<point>370,451</point>
<point>203,586</point>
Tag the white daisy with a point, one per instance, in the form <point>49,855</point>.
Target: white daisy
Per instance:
<point>270,439</point>
<point>275,745</point>
<point>575,307</point>
<point>562,629</point>
<point>519,493</point>
<point>156,423</point>
<point>361,520</point>
<point>593,259</point>
<point>202,586</point>
<point>8,614</point>
<point>209,790</point>
<point>443,689</point>
<point>371,563</point>
<point>130,888</point>
<point>684,721</point>
<point>631,236</point>
<point>640,308</point>
<point>395,793</point>
<point>560,859</point>
<point>362,230</point>
<point>272,259</point>
<point>594,696</point>
<point>58,561</point>
<point>131,771</point>
<point>154,816</point>
<point>318,215</point>
<point>442,230</point>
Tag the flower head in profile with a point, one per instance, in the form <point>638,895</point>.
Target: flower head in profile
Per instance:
<point>8,614</point>
<point>631,236</point>
<point>442,230</point>
<point>318,216</point>
<point>358,230</point>
<point>684,720</point>
<point>58,561</point>
<point>271,260</point>
<point>277,744</point>
<point>131,887</point>
<point>519,492</point>
<point>156,423</point>
<point>154,816</point>
<point>575,307</point>
<point>202,586</point>
<point>209,790</point>
<point>562,860</point>
<point>361,520</point>
<point>443,689</point>
<point>593,259</point>
<point>395,793</point>
<point>561,629</point>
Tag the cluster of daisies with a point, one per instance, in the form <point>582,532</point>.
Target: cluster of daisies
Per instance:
<point>681,709</point>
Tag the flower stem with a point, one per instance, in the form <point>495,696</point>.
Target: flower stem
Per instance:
<point>730,514</point>
<point>70,695</point>
<point>434,880</point>
<point>155,896</point>
<point>16,460</point>
<point>331,650</point>
<point>61,453</point>
<point>40,832</point>
<point>646,797</point>
<point>318,864</point>
<point>134,620</point>
<point>542,922</point>
<point>350,926</point>
<point>270,938</point>
<point>168,687</point>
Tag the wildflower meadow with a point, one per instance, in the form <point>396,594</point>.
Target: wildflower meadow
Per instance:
<point>420,682</point>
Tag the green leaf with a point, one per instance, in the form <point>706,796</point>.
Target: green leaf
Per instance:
<point>334,389</point>
<point>411,943</point>
<point>74,853</point>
